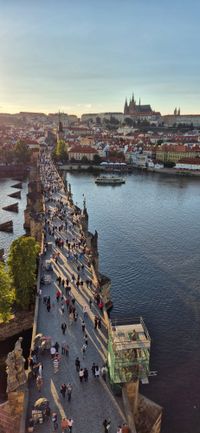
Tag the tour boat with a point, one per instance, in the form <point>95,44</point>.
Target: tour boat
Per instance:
<point>109,180</point>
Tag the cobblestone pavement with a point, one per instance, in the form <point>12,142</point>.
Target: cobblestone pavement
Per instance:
<point>92,401</point>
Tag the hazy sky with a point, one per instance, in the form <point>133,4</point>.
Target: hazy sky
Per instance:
<point>84,56</point>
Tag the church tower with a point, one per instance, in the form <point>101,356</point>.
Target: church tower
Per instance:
<point>126,108</point>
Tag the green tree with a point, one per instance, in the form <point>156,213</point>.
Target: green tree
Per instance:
<point>22,268</point>
<point>97,159</point>
<point>7,294</point>
<point>84,159</point>
<point>128,121</point>
<point>61,151</point>
<point>22,152</point>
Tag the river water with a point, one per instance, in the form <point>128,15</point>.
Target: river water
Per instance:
<point>149,244</point>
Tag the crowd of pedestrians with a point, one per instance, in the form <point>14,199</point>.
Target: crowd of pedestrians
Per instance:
<point>71,262</point>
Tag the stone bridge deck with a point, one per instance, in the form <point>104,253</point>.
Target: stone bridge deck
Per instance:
<point>91,401</point>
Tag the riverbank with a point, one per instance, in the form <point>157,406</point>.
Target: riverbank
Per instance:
<point>96,169</point>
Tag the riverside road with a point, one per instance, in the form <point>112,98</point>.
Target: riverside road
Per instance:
<point>92,401</point>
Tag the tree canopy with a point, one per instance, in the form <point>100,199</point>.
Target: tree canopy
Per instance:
<point>7,294</point>
<point>22,268</point>
<point>60,151</point>
<point>22,152</point>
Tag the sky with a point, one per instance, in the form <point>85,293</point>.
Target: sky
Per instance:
<point>85,56</point>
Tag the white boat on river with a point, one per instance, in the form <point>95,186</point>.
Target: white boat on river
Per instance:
<point>109,180</point>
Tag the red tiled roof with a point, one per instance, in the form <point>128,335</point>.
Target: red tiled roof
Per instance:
<point>195,161</point>
<point>82,149</point>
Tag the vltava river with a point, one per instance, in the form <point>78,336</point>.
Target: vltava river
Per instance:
<point>149,244</point>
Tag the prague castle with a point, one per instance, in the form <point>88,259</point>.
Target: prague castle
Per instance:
<point>132,109</point>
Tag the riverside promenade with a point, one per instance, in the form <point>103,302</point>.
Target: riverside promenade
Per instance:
<point>92,401</point>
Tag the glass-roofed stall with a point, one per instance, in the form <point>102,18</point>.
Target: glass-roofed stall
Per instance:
<point>128,351</point>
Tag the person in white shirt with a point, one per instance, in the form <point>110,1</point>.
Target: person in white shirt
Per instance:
<point>70,424</point>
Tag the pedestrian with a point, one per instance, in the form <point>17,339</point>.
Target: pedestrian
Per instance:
<point>63,389</point>
<point>52,351</point>
<point>64,327</point>
<point>125,428</point>
<point>62,307</point>
<point>56,364</point>
<point>104,372</point>
<point>83,350</point>
<point>64,425</point>
<point>77,363</point>
<point>67,303</point>
<point>86,339</point>
<point>40,368</point>
<point>106,425</point>
<point>99,322</point>
<point>57,295</point>
<point>95,322</point>
<point>85,311</point>
<point>54,419</point>
<point>71,318</point>
<point>70,424</point>
<point>81,374</point>
<point>85,374</point>
<point>83,326</point>
<point>97,371</point>
<point>56,345</point>
<point>69,392</point>
<point>39,383</point>
<point>75,316</point>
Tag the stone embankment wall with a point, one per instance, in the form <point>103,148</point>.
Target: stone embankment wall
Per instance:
<point>10,413</point>
<point>22,321</point>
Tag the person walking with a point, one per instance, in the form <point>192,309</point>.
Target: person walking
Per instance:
<point>56,364</point>
<point>83,350</point>
<point>106,425</point>
<point>83,326</point>
<point>63,389</point>
<point>99,322</point>
<point>77,363</point>
<point>104,372</point>
<point>39,383</point>
<point>64,425</point>
<point>63,327</point>
<point>95,322</point>
<point>52,351</point>
<point>48,306</point>
<point>69,392</point>
<point>62,307</point>
<point>85,374</point>
<point>57,295</point>
<point>85,311</point>
<point>81,374</point>
<point>86,339</point>
<point>97,371</point>
<point>54,419</point>
<point>56,345</point>
<point>70,424</point>
<point>40,369</point>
